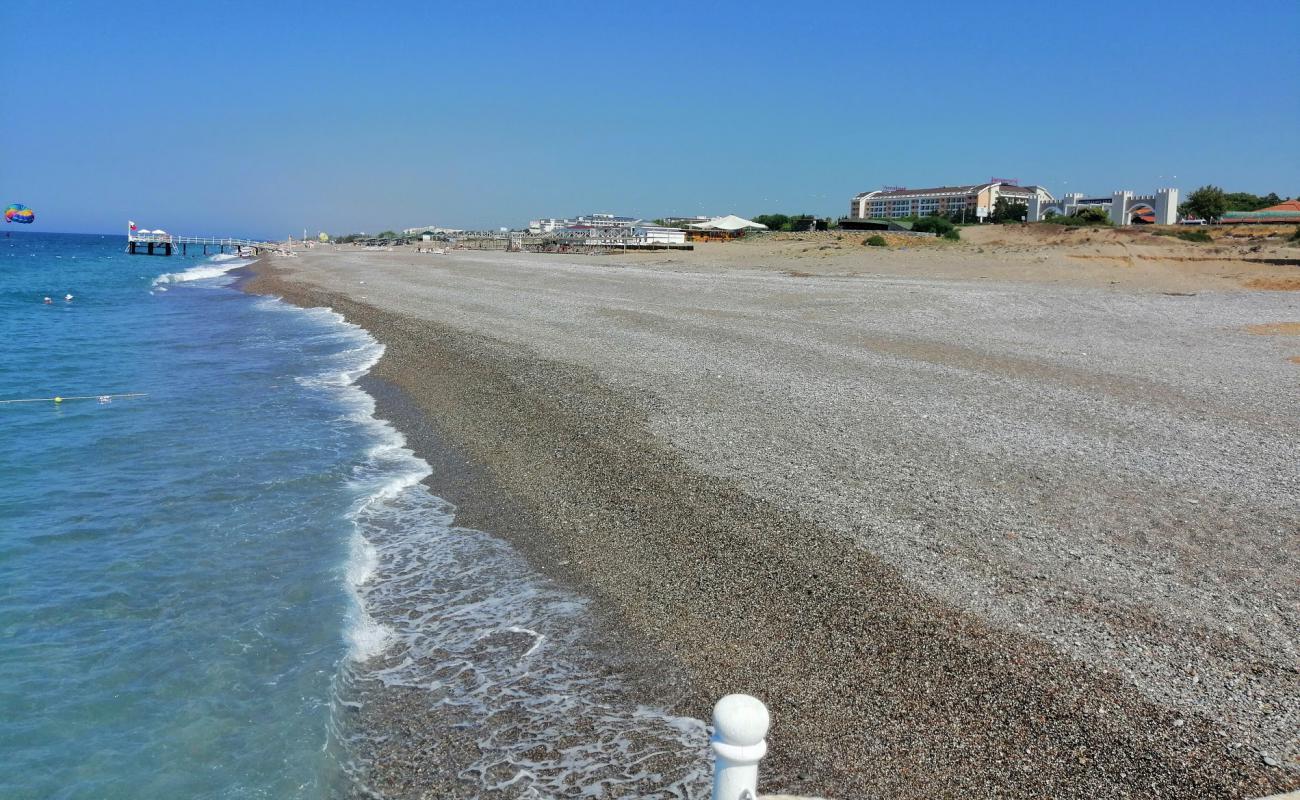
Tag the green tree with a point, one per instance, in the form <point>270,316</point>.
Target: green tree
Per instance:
<point>774,222</point>
<point>1006,211</point>
<point>1093,215</point>
<point>1086,216</point>
<point>1207,202</point>
<point>936,225</point>
<point>1245,201</point>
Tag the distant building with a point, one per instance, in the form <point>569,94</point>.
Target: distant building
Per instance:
<point>1124,208</point>
<point>683,222</point>
<point>896,225</point>
<point>552,224</point>
<point>617,235</point>
<point>540,226</point>
<point>605,230</point>
<point>659,234</point>
<point>1286,212</point>
<point>975,200</point>
<point>430,229</point>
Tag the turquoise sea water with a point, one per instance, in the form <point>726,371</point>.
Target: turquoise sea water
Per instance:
<point>170,566</point>
<point>201,588</point>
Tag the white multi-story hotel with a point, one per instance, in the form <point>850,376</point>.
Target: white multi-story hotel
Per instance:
<point>538,226</point>
<point>977,200</point>
<point>430,229</point>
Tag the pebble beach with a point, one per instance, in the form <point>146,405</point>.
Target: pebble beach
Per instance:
<point>1024,536</point>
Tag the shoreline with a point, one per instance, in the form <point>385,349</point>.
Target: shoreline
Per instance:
<point>425,759</point>
<point>673,556</point>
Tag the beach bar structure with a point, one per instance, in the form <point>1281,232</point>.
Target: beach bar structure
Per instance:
<point>722,228</point>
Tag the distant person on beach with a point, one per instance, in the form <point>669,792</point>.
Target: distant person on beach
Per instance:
<point>48,301</point>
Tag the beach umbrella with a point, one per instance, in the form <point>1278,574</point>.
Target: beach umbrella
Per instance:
<point>19,213</point>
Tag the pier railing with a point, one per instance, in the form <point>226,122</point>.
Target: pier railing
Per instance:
<point>209,240</point>
<point>166,244</point>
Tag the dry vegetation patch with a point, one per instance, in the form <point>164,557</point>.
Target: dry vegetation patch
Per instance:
<point>1272,284</point>
<point>1275,329</point>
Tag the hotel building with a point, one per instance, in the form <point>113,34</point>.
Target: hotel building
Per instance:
<point>975,200</point>
<point>540,226</point>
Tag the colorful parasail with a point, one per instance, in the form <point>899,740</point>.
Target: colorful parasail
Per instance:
<point>19,213</point>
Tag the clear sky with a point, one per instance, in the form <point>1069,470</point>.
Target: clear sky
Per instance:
<point>264,118</point>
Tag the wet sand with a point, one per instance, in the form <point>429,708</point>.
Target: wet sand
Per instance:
<point>956,554</point>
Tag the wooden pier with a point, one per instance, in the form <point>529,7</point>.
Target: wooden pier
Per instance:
<point>165,244</point>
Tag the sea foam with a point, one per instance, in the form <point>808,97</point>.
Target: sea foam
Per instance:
<point>498,652</point>
<point>215,267</point>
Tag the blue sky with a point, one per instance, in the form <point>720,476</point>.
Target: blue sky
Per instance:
<point>266,118</point>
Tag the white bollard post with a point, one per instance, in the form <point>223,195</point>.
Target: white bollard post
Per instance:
<point>739,727</point>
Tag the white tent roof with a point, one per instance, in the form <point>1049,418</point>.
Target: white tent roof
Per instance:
<point>731,222</point>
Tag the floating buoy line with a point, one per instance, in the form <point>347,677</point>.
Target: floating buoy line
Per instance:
<point>103,398</point>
